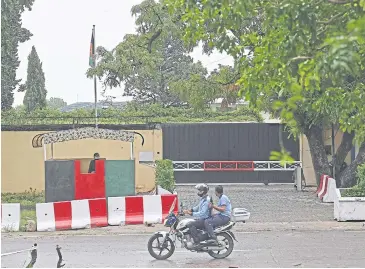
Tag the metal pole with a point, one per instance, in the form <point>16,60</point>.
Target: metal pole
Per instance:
<point>132,153</point>
<point>95,88</point>
<point>52,150</point>
<point>45,152</point>
<point>298,170</point>
<point>333,153</point>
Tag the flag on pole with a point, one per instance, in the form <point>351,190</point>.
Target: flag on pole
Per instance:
<point>92,50</point>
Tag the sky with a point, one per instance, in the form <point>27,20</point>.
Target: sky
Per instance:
<point>61,35</point>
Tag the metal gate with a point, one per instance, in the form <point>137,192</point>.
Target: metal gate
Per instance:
<point>227,152</point>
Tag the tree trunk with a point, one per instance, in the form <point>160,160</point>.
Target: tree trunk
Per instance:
<point>320,162</point>
<point>343,150</point>
<point>348,176</point>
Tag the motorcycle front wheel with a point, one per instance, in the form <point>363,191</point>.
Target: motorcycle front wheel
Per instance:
<point>221,254</point>
<point>160,250</point>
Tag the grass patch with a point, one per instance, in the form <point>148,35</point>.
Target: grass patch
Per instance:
<point>26,215</point>
<point>26,199</point>
<point>355,191</point>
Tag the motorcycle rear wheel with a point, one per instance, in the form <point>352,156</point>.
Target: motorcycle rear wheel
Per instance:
<point>168,245</point>
<point>228,250</point>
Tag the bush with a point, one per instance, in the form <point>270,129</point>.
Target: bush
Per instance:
<point>359,189</point>
<point>131,113</point>
<point>360,173</point>
<point>27,198</point>
<point>165,174</point>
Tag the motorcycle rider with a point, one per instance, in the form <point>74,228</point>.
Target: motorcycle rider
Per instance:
<point>224,208</point>
<point>201,212</point>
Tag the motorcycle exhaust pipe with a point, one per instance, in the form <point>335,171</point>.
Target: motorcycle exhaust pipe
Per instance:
<point>217,248</point>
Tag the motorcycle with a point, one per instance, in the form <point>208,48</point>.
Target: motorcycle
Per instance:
<point>166,241</point>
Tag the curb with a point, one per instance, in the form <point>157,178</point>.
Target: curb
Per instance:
<point>137,230</point>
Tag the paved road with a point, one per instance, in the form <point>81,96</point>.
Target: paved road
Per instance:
<point>262,249</point>
<point>272,203</point>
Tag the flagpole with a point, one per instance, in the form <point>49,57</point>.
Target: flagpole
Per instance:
<point>95,88</point>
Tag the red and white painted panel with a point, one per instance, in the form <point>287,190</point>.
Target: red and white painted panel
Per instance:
<point>330,195</point>
<point>76,214</point>
<point>322,188</point>
<point>326,190</point>
<point>235,166</point>
<point>140,209</point>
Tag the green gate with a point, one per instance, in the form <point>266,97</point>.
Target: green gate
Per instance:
<point>119,178</point>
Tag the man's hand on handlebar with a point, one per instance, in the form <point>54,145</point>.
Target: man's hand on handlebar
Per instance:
<point>187,212</point>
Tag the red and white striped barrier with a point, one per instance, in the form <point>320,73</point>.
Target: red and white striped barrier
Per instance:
<point>10,217</point>
<point>330,194</point>
<point>140,209</point>
<point>77,214</point>
<point>326,190</point>
<point>322,188</point>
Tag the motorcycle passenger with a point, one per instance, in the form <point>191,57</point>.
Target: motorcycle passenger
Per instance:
<point>224,208</point>
<point>201,212</point>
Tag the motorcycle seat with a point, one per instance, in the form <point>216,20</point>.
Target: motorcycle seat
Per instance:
<point>231,223</point>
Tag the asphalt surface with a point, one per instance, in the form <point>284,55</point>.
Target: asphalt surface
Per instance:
<point>261,249</point>
<point>272,203</point>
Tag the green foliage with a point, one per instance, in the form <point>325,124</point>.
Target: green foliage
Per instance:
<point>225,78</point>
<point>56,102</point>
<point>355,191</point>
<point>132,113</point>
<point>26,215</point>
<point>165,174</point>
<point>12,34</point>
<point>302,56</point>
<point>26,199</point>
<point>359,189</point>
<point>148,61</point>
<point>199,90</point>
<point>146,75</point>
<point>361,176</point>
<point>34,87</point>
<point>301,60</point>
<point>155,67</point>
<point>283,156</point>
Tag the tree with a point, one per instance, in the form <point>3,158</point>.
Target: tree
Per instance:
<point>35,88</point>
<point>12,33</point>
<point>149,61</point>
<point>196,91</point>
<point>200,90</point>
<point>225,78</point>
<point>304,67</point>
<point>56,102</point>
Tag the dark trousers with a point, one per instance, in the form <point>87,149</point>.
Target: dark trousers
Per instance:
<point>213,222</point>
<point>193,226</point>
